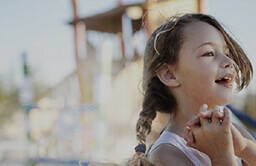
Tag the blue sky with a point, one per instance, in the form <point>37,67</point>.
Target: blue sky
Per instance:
<point>39,27</point>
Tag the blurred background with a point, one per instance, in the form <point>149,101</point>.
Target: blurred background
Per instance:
<point>71,73</point>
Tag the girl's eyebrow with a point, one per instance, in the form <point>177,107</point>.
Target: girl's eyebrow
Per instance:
<point>205,43</point>
<point>225,47</point>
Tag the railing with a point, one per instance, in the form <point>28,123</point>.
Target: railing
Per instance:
<point>246,119</point>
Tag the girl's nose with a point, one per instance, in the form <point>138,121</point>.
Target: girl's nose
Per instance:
<point>227,62</point>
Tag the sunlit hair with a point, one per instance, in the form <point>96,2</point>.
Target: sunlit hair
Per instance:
<point>163,47</point>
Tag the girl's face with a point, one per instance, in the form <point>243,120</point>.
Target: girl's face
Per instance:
<point>205,72</point>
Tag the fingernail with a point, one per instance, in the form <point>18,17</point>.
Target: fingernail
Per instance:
<point>220,109</point>
<point>204,108</point>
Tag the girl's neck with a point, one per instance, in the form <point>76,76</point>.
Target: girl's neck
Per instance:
<point>182,116</point>
<point>176,127</point>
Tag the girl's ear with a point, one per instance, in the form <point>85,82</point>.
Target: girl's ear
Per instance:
<point>166,75</point>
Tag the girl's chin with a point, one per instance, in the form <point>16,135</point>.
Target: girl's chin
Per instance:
<point>223,102</point>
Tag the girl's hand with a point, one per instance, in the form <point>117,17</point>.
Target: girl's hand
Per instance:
<point>244,147</point>
<point>239,141</point>
<point>210,133</point>
<point>195,121</point>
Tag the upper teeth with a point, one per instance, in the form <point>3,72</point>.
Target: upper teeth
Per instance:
<point>225,78</point>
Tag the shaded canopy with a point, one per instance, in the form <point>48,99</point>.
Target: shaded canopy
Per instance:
<point>111,20</point>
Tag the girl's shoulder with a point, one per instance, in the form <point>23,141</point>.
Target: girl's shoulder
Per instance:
<point>170,147</point>
<point>168,154</point>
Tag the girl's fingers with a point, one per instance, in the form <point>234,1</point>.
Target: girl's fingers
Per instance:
<point>227,117</point>
<point>188,135</point>
<point>204,121</point>
<point>186,132</point>
<point>203,112</point>
<point>215,117</point>
<point>220,111</point>
<point>205,116</point>
<point>191,137</point>
<point>218,115</point>
<point>191,144</point>
<point>193,134</point>
<point>193,121</point>
<point>203,108</point>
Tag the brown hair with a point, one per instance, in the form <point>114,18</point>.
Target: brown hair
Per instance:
<point>163,47</point>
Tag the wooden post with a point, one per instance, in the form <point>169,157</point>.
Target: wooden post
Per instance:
<point>78,45</point>
<point>148,23</point>
<point>201,6</point>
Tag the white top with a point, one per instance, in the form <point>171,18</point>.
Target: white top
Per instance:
<point>196,157</point>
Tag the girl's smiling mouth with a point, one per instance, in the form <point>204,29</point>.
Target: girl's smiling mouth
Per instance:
<point>226,80</point>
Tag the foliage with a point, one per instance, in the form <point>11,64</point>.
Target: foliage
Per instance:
<point>9,103</point>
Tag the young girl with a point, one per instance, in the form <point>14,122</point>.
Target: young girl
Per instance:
<point>192,66</point>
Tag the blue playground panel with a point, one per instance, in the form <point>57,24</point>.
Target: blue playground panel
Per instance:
<point>59,162</point>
